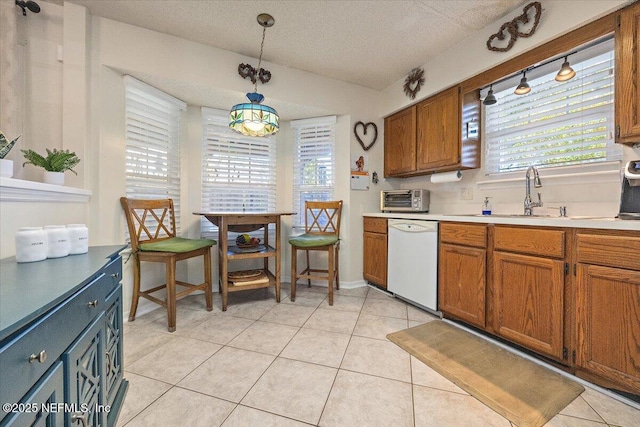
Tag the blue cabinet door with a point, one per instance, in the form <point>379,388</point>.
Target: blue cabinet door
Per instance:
<point>84,365</point>
<point>113,344</point>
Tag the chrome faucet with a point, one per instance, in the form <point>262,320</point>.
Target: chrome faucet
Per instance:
<point>528,204</point>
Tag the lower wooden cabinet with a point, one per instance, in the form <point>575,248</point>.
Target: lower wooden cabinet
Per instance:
<point>528,295</point>
<point>462,281</point>
<point>608,308</point>
<point>375,251</point>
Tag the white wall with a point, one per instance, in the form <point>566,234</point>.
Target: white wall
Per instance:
<point>583,195</point>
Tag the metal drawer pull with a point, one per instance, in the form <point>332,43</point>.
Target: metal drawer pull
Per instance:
<point>116,275</point>
<point>93,303</point>
<point>40,357</point>
<point>79,417</point>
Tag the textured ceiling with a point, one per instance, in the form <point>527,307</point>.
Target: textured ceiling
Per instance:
<point>370,43</point>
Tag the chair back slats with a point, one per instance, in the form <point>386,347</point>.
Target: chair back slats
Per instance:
<point>323,217</point>
<point>149,220</point>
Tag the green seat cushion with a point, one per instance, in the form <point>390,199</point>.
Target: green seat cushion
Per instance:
<point>312,240</point>
<point>176,244</point>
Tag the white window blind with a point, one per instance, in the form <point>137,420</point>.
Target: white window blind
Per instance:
<point>152,143</point>
<point>313,163</point>
<point>238,172</point>
<point>557,123</point>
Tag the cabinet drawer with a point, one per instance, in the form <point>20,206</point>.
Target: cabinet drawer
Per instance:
<point>464,234</point>
<point>611,251</point>
<point>52,333</point>
<point>532,241</point>
<point>375,225</point>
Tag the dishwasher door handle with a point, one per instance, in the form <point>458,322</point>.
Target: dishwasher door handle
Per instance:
<point>416,227</point>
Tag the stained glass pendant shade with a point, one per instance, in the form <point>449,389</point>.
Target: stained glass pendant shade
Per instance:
<point>252,118</point>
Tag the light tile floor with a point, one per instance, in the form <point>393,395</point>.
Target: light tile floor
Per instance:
<point>304,363</point>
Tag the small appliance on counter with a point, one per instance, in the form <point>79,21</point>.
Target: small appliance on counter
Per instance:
<point>404,200</point>
<point>630,197</point>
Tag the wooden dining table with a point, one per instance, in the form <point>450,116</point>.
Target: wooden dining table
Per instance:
<point>246,222</point>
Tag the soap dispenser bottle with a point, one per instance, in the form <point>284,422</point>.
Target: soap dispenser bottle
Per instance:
<point>486,206</point>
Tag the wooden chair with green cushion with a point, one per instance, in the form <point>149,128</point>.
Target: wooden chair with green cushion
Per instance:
<point>152,229</point>
<point>322,233</point>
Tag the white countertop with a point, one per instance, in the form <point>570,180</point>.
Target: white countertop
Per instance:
<point>546,221</point>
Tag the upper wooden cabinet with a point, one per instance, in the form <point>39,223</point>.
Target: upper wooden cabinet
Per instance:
<point>438,134</point>
<point>400,143</point>
<point>438,141</point>
<point>627,97</point>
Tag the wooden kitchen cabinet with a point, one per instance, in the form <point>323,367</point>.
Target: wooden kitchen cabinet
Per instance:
<point>438,124</point>
<point>462,272</point>
<point>375,251</point>
<point>439,134</point>
<point>528,287</point>
<point>400,143</point>
<point>627,85</point>
<point>608,308</point>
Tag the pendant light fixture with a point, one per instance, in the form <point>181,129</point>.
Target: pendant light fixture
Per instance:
<point>566,72</point>
<point>523,88</point>
<point>490,99</point>
<point>253,118</point>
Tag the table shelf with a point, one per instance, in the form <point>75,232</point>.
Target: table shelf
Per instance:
<point>236,288</point>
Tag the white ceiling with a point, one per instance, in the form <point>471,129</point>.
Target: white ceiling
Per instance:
<point>372,43</point>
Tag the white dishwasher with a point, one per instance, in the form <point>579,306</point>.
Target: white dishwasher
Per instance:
<point>412,265</point>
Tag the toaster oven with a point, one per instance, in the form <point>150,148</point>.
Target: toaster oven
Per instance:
<point>404,200</point>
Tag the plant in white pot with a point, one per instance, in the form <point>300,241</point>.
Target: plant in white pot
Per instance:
<point>6,165</point>
<point>55,164</point>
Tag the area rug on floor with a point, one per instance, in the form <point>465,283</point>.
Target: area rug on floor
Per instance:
<point>525,393</point>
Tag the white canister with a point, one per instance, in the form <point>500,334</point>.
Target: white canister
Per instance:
<point>31,244</point>
<point>57,241</point>
<point>78,239</point>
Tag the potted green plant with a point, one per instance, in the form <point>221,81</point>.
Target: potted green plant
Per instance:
<point>55,163</point>
<point>6,165</point>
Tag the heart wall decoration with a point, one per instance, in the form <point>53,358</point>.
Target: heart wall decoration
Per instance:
<point>521,26</point>
<point>364,132</point>
<point>413,82</point>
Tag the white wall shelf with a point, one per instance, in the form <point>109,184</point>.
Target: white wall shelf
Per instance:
<point>19,190</point>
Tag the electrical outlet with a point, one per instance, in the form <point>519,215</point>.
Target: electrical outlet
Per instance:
<point>466,194</point>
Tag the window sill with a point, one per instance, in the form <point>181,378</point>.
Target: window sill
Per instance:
<point>560,176</point>
<point>19,190</point>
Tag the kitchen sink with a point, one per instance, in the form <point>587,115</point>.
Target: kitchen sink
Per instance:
<point>573,217</point>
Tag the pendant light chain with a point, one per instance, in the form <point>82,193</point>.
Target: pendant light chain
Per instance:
<point>264,31</point>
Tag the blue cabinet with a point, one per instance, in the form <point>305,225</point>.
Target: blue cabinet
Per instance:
<point>62,363</point>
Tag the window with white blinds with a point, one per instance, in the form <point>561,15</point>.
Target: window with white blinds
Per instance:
<point>152,143</point>
<point>557,123</point>
<point>313,163</point>
<point>238,172</point>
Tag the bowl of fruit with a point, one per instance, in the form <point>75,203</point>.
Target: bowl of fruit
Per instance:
<point>245,241</point>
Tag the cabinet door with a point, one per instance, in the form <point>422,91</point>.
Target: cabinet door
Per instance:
<point>375,258</point>
<point>438,140</point>
<point>627,87</point>
<point>84,372</point>
<point>400,143</point>
<point>113,344</point>
<point>529,301</point>
<point>462,283</point>
<point>46,394</point>
<point>608,321</point>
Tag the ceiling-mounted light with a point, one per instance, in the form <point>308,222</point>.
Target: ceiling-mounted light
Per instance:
<point>255,119</point>
<point>490,99</point>
<point>566,72</point>
<point>523,88</point>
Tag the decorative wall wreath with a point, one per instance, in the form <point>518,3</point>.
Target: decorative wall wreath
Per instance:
<point>512,29</point>
<point>246,70</point>
<point>413,82</point>
<point>364,132</point>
